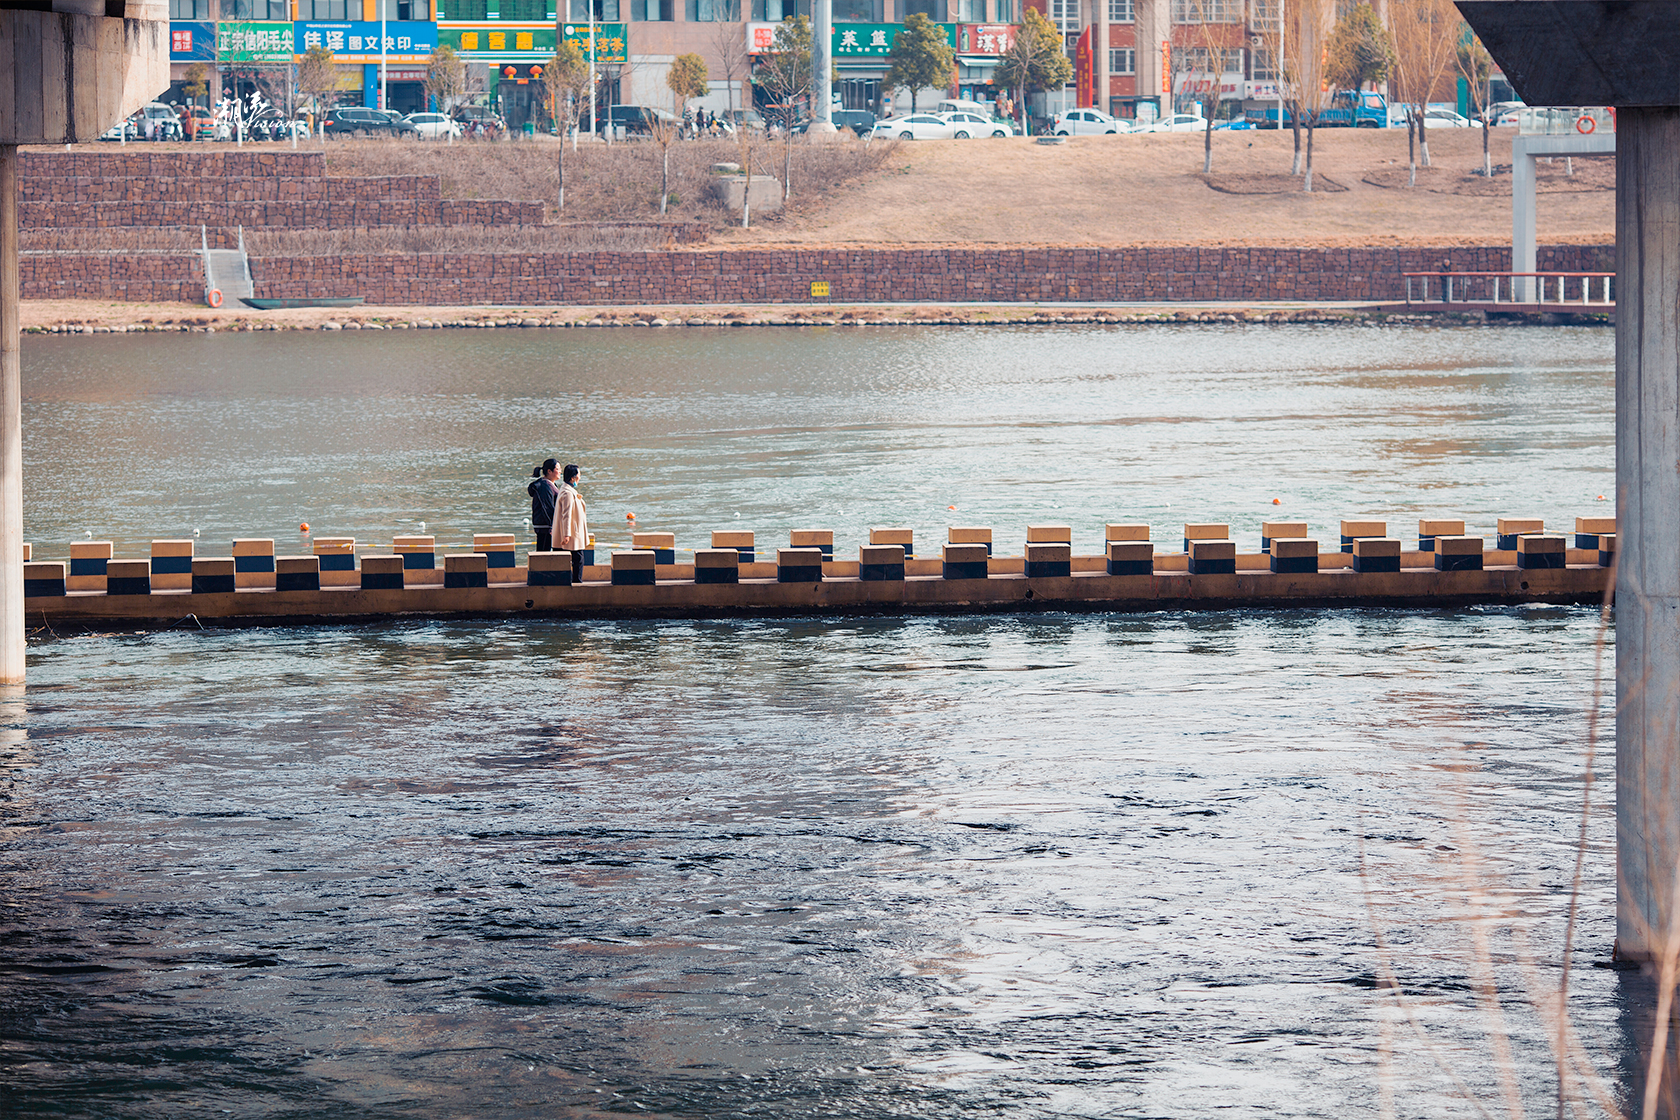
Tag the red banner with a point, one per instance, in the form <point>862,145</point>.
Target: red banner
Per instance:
<point>1085,71</point>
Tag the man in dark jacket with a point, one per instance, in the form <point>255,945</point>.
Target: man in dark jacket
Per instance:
<point>544,491</point>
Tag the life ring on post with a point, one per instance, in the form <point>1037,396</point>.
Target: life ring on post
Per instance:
<point>1585,124</point>
<point>214,298</point>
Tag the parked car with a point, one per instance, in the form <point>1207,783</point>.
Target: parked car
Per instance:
<point>733,119</point>
<point>477,120</point>
<point>964,125</point>
<point>358,122</point>
<point>1505,113</point>
<point>122,130</point>
<point>434,126</point>
<point>859,121</point>
<point>1180,122</point>
<point>1444,118</point>
<point>1089,122</point>
<point>916,126</point>
<point>158,121</point>
<point>635,120</point>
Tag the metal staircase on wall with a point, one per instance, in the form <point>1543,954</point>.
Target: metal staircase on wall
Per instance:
<point>227,271</point>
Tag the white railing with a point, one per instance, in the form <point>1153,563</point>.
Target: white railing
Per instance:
<point>1565,290</point>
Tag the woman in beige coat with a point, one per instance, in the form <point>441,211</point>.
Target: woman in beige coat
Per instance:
<point>571,527</point>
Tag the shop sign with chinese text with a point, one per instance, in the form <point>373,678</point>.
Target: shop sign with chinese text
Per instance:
<point>985,38</point>
<point>352,42</point>
<point>501,42</point>
<point>254,42</point>
<point>192,41</point>
<point>611,43</point>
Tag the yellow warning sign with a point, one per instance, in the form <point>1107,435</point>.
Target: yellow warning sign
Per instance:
<point>819,289</point>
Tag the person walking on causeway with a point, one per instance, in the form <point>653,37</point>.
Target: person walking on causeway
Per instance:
<point>545,492</point>
<point>571,528</point>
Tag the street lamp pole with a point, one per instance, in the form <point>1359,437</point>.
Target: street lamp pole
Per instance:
<point>384,93</point>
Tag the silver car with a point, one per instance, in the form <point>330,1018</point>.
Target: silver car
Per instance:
<point>434,126</point>
<point>965,124</point>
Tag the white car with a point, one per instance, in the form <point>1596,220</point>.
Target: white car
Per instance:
<point>434,126</point>
<point>1444,118</point>
<point>917,126</point>
<point>1090,122</point>
<point>1180,122</point>
<point>965,124</point>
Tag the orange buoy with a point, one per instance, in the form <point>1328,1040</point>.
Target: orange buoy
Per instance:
<point>1601,497</point>
<point>214,299</point>
<point>304,527</point>
<point>950,507</point>
<point>629,517</point>
<point>1276,502</point>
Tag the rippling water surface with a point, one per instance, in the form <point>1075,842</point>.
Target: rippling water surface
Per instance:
<point>1153,865</point>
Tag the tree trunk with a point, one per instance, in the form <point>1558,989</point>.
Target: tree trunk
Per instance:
<point>1308,184</point>
<point>1295,126</point>
<point>664,176</point>
<point>746,185</point>
<point>561,162</point>
<point>1411,149</point>
<point>1207,144</point>
<point>1487,158</point>
<point>1423,133</point>
<point>787,167</point>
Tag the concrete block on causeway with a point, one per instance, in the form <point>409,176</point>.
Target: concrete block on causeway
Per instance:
<point>633,568</point>
<point>1212,557</point>
<point>1125,531</point>
<point>500,550</point>
<point>1589,529</point>
<point>128,577</point>
<point>1606,549</point>
<point>1049,534</point>
<point>297,573</point>
<point>383,573</point>
<point>1541,550</point>
<point>338,561</point>
<point>466,569</point>
<point>213,575</point>
<point>1459,554</point>
<point>881,563</point>
<point>740,541</point>
<point>662,545</point>
<point>1353,530</point>
<point>548,569</point>
<point>1130,558</point>
<point>1510,528</point>
<point>87,565</point>
<point>1271,529</point>
<point>1204,531</point>
<point>801,565</point>
<point>970,534</point>
<point>172,565</point>
<point>1293,554</point>
<point>253,564</point>
<point>1376,554</point>
<point>717,565</point>
<point>1431,527</point>
<point>813,538</point>
<point>905,538</point>
<point>966,561</point>
<point>43,579</point>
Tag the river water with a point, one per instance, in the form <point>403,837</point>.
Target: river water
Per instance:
<point>1290,863</point>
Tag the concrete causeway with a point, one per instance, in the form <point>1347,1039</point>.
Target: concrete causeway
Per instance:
<point>253,587</point>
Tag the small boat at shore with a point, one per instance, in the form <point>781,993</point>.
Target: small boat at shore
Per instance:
<point>321,301</point>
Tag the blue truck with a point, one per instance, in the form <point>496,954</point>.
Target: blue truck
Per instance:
<point>1347,108</point>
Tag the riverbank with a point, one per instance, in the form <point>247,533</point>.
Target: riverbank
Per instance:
<point>103,317</point>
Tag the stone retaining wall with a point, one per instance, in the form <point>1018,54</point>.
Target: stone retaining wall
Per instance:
<point>129,162</point>
<point>160,212</point>
<point>785,275</point>
<point>64,190</point>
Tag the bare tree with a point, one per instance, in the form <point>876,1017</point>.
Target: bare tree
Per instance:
<point>317,77</point>
<point>446,78</point>
<point>1307,30</point>
<point>1425,36</point>
<point>663,132</point>
<point>785,74</point>
<point>565,85</point>
<point>1476,68</point>
<point>729,47</point>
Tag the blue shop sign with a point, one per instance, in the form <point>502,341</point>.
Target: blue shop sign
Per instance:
<point>360,41</point>
<point>192,41</point>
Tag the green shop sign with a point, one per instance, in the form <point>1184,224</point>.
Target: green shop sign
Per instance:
<point>875,40</point>
<point>611,43</point>
<point>254,42</point>
<point>511,42</point>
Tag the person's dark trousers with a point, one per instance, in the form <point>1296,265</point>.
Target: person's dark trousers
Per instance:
<point>577,566</point>
<point>545,540</point>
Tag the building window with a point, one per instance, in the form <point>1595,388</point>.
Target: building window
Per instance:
<point>189,9</point>
<point>1122,60</point>
<point>1231,61</point>
<point>1187,11</point>
<point>606,11</point>
<point>1265,69</point>
<point>255,9</point>
<point>714,11</point>
<point>1221,11</point>
<point>971,11</point>
<point>1008,11</point>
<point>524,11</point>
<point>1121,11</point>
<point>1065,14</point>
<point>932,9</point>
<point>329,10</point>
<point>1265,14</point>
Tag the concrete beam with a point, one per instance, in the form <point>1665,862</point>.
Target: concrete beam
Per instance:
<point>66,76</point>
<point>1583,52</point>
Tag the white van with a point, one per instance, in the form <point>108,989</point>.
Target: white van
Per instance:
<point>965,107</point>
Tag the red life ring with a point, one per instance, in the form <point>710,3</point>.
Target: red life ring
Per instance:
<point>1585,124</point>
<point>214,299</point>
